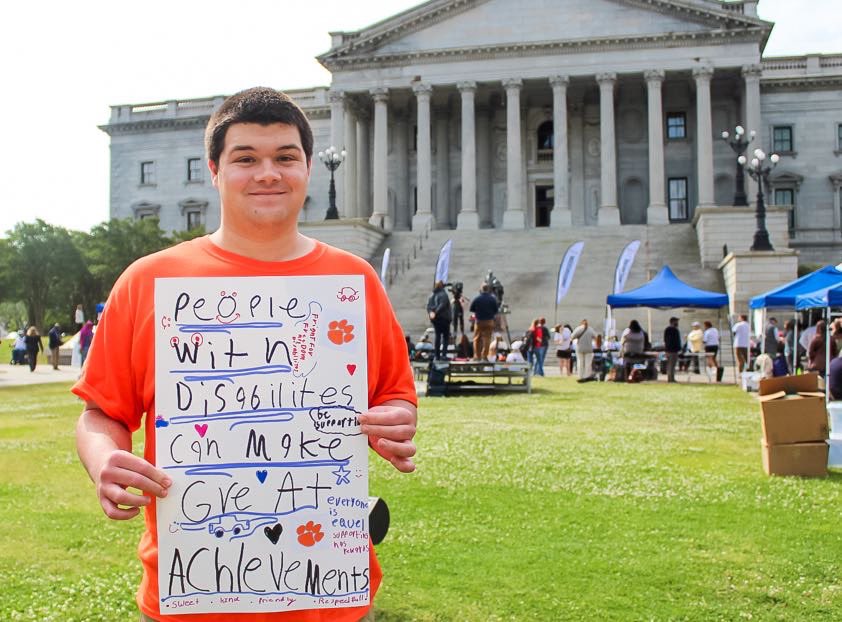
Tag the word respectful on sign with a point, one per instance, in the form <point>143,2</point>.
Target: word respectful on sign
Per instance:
<point>259,385</point>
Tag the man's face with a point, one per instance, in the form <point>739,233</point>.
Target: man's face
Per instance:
<point>262,178</point>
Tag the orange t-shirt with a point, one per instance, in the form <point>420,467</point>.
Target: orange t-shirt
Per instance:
<point>119,375</point>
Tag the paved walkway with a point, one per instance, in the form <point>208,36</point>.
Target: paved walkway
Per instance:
<point>16,375</point>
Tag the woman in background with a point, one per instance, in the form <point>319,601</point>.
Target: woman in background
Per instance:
<point>33,346</point>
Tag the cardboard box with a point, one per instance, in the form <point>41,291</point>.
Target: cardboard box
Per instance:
<point>804,459</point>
<point>792,410</point>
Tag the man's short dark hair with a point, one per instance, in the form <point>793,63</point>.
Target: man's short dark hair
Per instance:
<point>486,288</point>
<point>260,105</point>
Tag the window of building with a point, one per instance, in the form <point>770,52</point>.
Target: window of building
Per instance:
<point>194,218</point>
<point>782,139</point>
<point>678,198</point>
<point>676,125</point>
<point>839,138</point>
<point>786,196</point>
<point>194,169</point>
<point>147,173</point>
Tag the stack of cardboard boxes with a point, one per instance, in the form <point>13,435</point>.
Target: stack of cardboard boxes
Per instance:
<point>795,426</point>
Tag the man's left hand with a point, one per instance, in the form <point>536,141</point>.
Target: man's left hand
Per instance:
<point>390,428</point>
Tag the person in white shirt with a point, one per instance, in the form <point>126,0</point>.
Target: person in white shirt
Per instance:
<point>742,335</point>
<point>514,355</point>
<point>711,341</point>
<point>564,347</point>
<point>806,337</point>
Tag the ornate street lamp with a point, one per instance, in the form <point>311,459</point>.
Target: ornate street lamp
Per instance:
<point>332,159</point>
<point>760,173</point>
<point>738,143</point>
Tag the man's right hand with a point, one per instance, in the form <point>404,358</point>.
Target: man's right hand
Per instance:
<point>122,470</point>
<point>104,445</point>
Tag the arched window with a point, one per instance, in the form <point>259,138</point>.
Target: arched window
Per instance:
<point>545,141</point>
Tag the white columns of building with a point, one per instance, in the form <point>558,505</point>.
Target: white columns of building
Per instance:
<point>656,213</point>
<point>350,164</point>
<point>442,215</point>
<point>704,136</point>
<point>468,218</point>
<point>402,217</point>
<point>380,179</point>
<point>561,216</point>
<point>337,139</point>
<point>514,217</point>
<point>363,164</point>
<point>751,75</point>
<point>424,160</point>
<point>609,213</point>
<point>485,208</point>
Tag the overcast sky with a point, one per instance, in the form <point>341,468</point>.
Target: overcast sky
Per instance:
<point>65,63</point>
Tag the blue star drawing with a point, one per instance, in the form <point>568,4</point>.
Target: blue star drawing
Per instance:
<point>342,475</point>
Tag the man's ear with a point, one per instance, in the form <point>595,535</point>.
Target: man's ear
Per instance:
<point>214,171</point>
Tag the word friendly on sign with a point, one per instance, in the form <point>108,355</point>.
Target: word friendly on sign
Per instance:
<point>259,385</point>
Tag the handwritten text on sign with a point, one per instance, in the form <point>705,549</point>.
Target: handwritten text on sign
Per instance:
<point>259,382</point>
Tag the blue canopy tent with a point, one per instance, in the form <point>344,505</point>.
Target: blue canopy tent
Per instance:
<point>667,291</point>
<point>784,295</point>
<point>824,297</point>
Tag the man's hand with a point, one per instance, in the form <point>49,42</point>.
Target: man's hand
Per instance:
<point>390,428</point>
<point>104,446</point>
<point>121,470</point>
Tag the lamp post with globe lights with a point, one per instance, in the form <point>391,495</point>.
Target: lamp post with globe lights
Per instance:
<point>332,159</point>
<point>738,142</point>
<point>759,171</point>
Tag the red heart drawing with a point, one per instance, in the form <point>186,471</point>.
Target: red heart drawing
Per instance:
<point>201,429</point>
<point>351,368</point>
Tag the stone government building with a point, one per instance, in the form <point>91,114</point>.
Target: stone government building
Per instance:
<point>560,118</point>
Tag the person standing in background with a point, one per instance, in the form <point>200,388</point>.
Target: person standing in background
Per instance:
<point>79,318</point>
<point>438,309</point>
<point>742,335</point>
<point>484,307</point>
<point>564,347</point>
<point>696,344</point>
<point>770,337</point>
<point>711,341</point>
<point>672,347</point>
<point>86,336</point>
<point>33,346</point>
<point>55,344</point>
<point>584,336</point>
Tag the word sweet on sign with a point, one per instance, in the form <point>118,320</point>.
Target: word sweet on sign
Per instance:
<point>259,384</point>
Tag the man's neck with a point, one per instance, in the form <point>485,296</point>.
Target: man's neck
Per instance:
<point>284,247</point>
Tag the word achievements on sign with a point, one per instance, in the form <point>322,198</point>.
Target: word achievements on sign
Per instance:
<point>259,385</point>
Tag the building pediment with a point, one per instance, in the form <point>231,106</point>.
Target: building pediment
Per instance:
<point>440,29</point>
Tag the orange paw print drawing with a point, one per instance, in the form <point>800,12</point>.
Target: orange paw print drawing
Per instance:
<point>340,332</point>
<point>310,533</point>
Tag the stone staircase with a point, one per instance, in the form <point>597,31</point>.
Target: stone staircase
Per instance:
<point>527,262</point>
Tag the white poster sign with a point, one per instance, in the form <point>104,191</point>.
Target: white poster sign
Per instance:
<point>567,269</point>
<point>259,384</point>
<point>443,263</point>
<point>624,265</point>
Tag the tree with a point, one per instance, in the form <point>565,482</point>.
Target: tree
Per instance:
<point>41,268</point>
<point>111,247</point>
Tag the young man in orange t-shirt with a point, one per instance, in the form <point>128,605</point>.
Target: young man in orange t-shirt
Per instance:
<point>259,149</point>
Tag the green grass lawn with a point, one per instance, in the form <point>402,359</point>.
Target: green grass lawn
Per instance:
<point>579,502</point>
